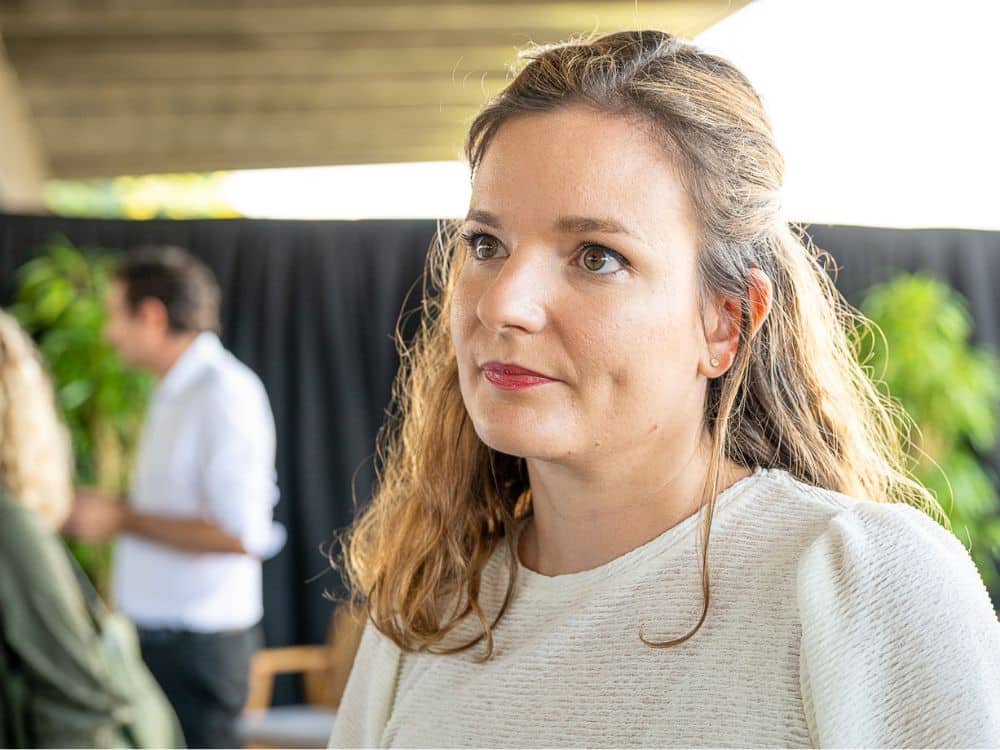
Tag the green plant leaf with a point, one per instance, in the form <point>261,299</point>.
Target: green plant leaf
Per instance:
<point>950,389</point>
<point>60,302</point>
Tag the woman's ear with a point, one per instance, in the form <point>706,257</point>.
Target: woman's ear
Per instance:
<point>761,294</point>
<point>722,335</point>
<point>722,323</point>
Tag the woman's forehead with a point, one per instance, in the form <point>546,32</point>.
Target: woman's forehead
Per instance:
<point>577,162</point>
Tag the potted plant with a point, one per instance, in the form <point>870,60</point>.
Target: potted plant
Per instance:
<point>59,300</point>
<point>920,351</point>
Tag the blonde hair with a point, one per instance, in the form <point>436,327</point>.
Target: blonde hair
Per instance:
<point>35,452</point>
<point>795,397</point>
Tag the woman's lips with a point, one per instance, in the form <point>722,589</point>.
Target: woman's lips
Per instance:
<point>513,378</point>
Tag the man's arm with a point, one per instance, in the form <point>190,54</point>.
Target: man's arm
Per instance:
<point>190,534</point>
<point>98,516</point>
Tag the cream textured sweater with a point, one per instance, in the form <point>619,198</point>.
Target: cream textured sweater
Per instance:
<point>833,622</point>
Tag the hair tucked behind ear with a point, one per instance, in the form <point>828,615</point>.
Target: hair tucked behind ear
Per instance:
<point>795,397</point>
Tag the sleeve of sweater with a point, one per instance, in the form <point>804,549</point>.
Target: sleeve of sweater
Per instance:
<point>900,643</point>
<point>45,623</point>
<point>370,693</point>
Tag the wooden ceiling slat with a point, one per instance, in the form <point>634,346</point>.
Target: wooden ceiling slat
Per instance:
<point>292,19</point>
<point>32,6</point>
<point>99,133</point>
<point>251,98</point>
<point>127,162</point>
<point>83,47</point>
<point>222,66</point>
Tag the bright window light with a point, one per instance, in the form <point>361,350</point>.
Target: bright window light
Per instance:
<point>888,112</point>
<point>437,190</point>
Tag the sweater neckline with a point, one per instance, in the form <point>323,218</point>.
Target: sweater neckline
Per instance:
<point>530,582</point>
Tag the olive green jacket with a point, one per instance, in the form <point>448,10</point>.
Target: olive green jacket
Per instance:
<point>70,671</point>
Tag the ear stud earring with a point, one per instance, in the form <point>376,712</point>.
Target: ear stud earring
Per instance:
<point>715,362</point>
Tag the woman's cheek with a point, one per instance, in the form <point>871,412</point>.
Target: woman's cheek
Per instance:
<point>463,312</point>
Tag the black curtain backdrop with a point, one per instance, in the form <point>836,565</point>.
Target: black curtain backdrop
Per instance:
<point>311,307</point>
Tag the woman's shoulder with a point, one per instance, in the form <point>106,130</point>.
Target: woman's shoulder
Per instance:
<point>887,567</point>
<point>370,692</point>
<point>824,515</point>
<point>900,645</point>
<point>776,514</point>
<point>889,548</point>
<point>863,546</point>
<point>786,493</point>
<point>35,565</point>
<point>21,531</point>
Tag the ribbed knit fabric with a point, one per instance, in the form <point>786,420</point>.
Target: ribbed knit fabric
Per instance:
<point>833,622</point>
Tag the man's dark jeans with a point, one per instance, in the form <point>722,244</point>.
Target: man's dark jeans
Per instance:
<point>206,678</point>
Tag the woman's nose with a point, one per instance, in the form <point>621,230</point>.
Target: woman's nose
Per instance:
<point>514,299</point>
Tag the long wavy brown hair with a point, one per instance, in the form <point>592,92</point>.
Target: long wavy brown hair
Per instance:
<point>36,460</point>
<point>795,398</point>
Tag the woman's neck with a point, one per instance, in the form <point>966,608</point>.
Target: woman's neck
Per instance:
<point>580,522</point>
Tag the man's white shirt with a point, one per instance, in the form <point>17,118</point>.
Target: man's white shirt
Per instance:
<point>207,452</point>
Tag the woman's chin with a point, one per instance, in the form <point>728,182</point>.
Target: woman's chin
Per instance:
<point>525,443</point>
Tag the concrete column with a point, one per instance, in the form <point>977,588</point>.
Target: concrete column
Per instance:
<point>22,162</point>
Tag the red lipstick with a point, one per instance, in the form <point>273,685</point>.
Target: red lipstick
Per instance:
<point>513,378</point>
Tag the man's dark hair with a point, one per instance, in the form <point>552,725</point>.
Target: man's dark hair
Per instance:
<point>185,286</point>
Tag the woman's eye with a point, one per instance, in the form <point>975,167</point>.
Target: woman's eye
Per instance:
<point>601,260</point>
<point>485,247</point>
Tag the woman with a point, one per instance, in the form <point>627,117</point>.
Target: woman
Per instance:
<point>67,675</point>
<point>639,492</point>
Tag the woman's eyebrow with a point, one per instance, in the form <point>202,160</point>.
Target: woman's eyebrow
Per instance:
<point>484,217</point>
<point>584,224</point>
<point>569,224</point>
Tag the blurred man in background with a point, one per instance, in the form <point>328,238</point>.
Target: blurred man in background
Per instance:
<point>199,521</point>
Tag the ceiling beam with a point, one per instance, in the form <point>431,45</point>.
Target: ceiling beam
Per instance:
<point>252,98</point>
<point>141,86</point>
<point>682,16</point>
<point>332,41</point>
<point>33,6</point>
<point>97,134</point>
<point>218,51</point>
<point>57,67</point>
<point>122,163</point>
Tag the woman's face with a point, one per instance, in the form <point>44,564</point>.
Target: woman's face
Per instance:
<point>575,317</point>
